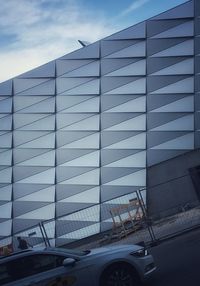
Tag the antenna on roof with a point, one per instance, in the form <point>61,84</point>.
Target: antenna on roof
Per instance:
<point>84,43</point>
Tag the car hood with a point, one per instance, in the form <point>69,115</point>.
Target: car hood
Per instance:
<point>115,248</point>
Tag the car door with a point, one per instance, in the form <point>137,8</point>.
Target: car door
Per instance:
<point>48,270</point>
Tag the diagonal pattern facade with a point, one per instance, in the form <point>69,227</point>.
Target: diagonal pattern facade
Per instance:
<point>82,130</point>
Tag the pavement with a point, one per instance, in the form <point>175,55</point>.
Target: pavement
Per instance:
<point>177,261</point>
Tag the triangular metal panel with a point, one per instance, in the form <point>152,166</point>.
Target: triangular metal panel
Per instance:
<point>44,141</point>
<point>45,123</point>
<point>158,119</point>
<point>46,159</point>
<point>6,210</point>
<point>156,64</point>
<point>65,155</point>
<point>21,190</point>
<point>21,85</point>
<point>88,124</point>
<point>65,66</point>
<point>88,105</point>
<point>5,104</point>
<point>6,229</point>
<point>20,208</point>
<point>134,69</point>
<point>158,137</point>
<point>183,67</point>
<point>185,142</point>
<point>110,65</point>
<point>88,142</point>
<point>88,196</point>
<point>67,208</point>
<point>5,122</point>
<point>135,105</point>
<point>6,157</point>
<point>137,160</point>
<point>63,120</point>
<point>108,102</point>
<point>156,83</point>
<point>109,156</point>
<point>137,31</point>
<point>64,84</point>
<point>134,142</point>
<point>186,48</point>
<point>155,101</point>
<point>89,52</point>
<point>180,124</point>
<point>44,104</point>
<point>86,214</point>
<point>64,102</point>
<point>109,119</point>
<point>110,192</point>
<point>136,50</point>
<point>155,46</point>
<point>66,137</point>
<point>65,191</point>
<point>138,86</point>
<point>185,10</point>
<point>21,137</point>
<point>88,160</point>
<point>66,227</point>
<point>90,87</point>
<point>137,179</point>
<point>43,213</point>
<point>160,26</point>
<point>6,175</point>
<point>21,172</point>
<point>137,123</point>
<point>185,104</point>
<point>44,71</point>
<point>87,178</point>
<point>89,70</point>
<point>110,47</point>
<point>66,173</point>
<point>5,139</point>
<point>181,86</point>
<point>110,83</point>
<point>6,192</point>
<point>183,30</point>
<point>46,177</point>
<point>44,195</point>
<point>24,224</point>
<point>109,174</point>
<point>6,88</point>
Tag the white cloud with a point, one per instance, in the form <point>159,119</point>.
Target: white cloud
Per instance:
<point>134,6</point>
<point>44,30</point>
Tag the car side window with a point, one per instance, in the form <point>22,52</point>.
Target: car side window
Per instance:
<point>29,265</point>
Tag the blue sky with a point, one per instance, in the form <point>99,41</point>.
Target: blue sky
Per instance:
<point>33,32</point>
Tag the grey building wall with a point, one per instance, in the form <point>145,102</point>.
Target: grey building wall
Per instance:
<point>80,131</point>
<point>170,185</point>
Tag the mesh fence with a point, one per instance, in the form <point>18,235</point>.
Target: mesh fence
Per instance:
<point>122,217</point>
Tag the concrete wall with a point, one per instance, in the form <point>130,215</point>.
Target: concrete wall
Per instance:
<point>170,187</point>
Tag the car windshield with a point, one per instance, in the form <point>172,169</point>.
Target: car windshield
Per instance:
<point>72,251</point>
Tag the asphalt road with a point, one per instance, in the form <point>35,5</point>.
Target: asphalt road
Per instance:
<point>178,261</point>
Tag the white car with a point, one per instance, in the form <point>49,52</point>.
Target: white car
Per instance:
<point>124,265</point>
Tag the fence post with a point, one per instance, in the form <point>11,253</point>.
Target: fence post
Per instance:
<point>44,234</point>
<point>143,207</point>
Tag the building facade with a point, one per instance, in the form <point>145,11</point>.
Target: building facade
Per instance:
<point>81,131</point>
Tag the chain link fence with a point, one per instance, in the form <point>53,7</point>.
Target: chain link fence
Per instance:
<point>95,224</point>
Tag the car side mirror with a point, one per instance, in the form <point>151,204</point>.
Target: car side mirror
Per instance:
<point>69,262</point>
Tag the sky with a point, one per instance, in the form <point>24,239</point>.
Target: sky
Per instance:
<point>34,32</point>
